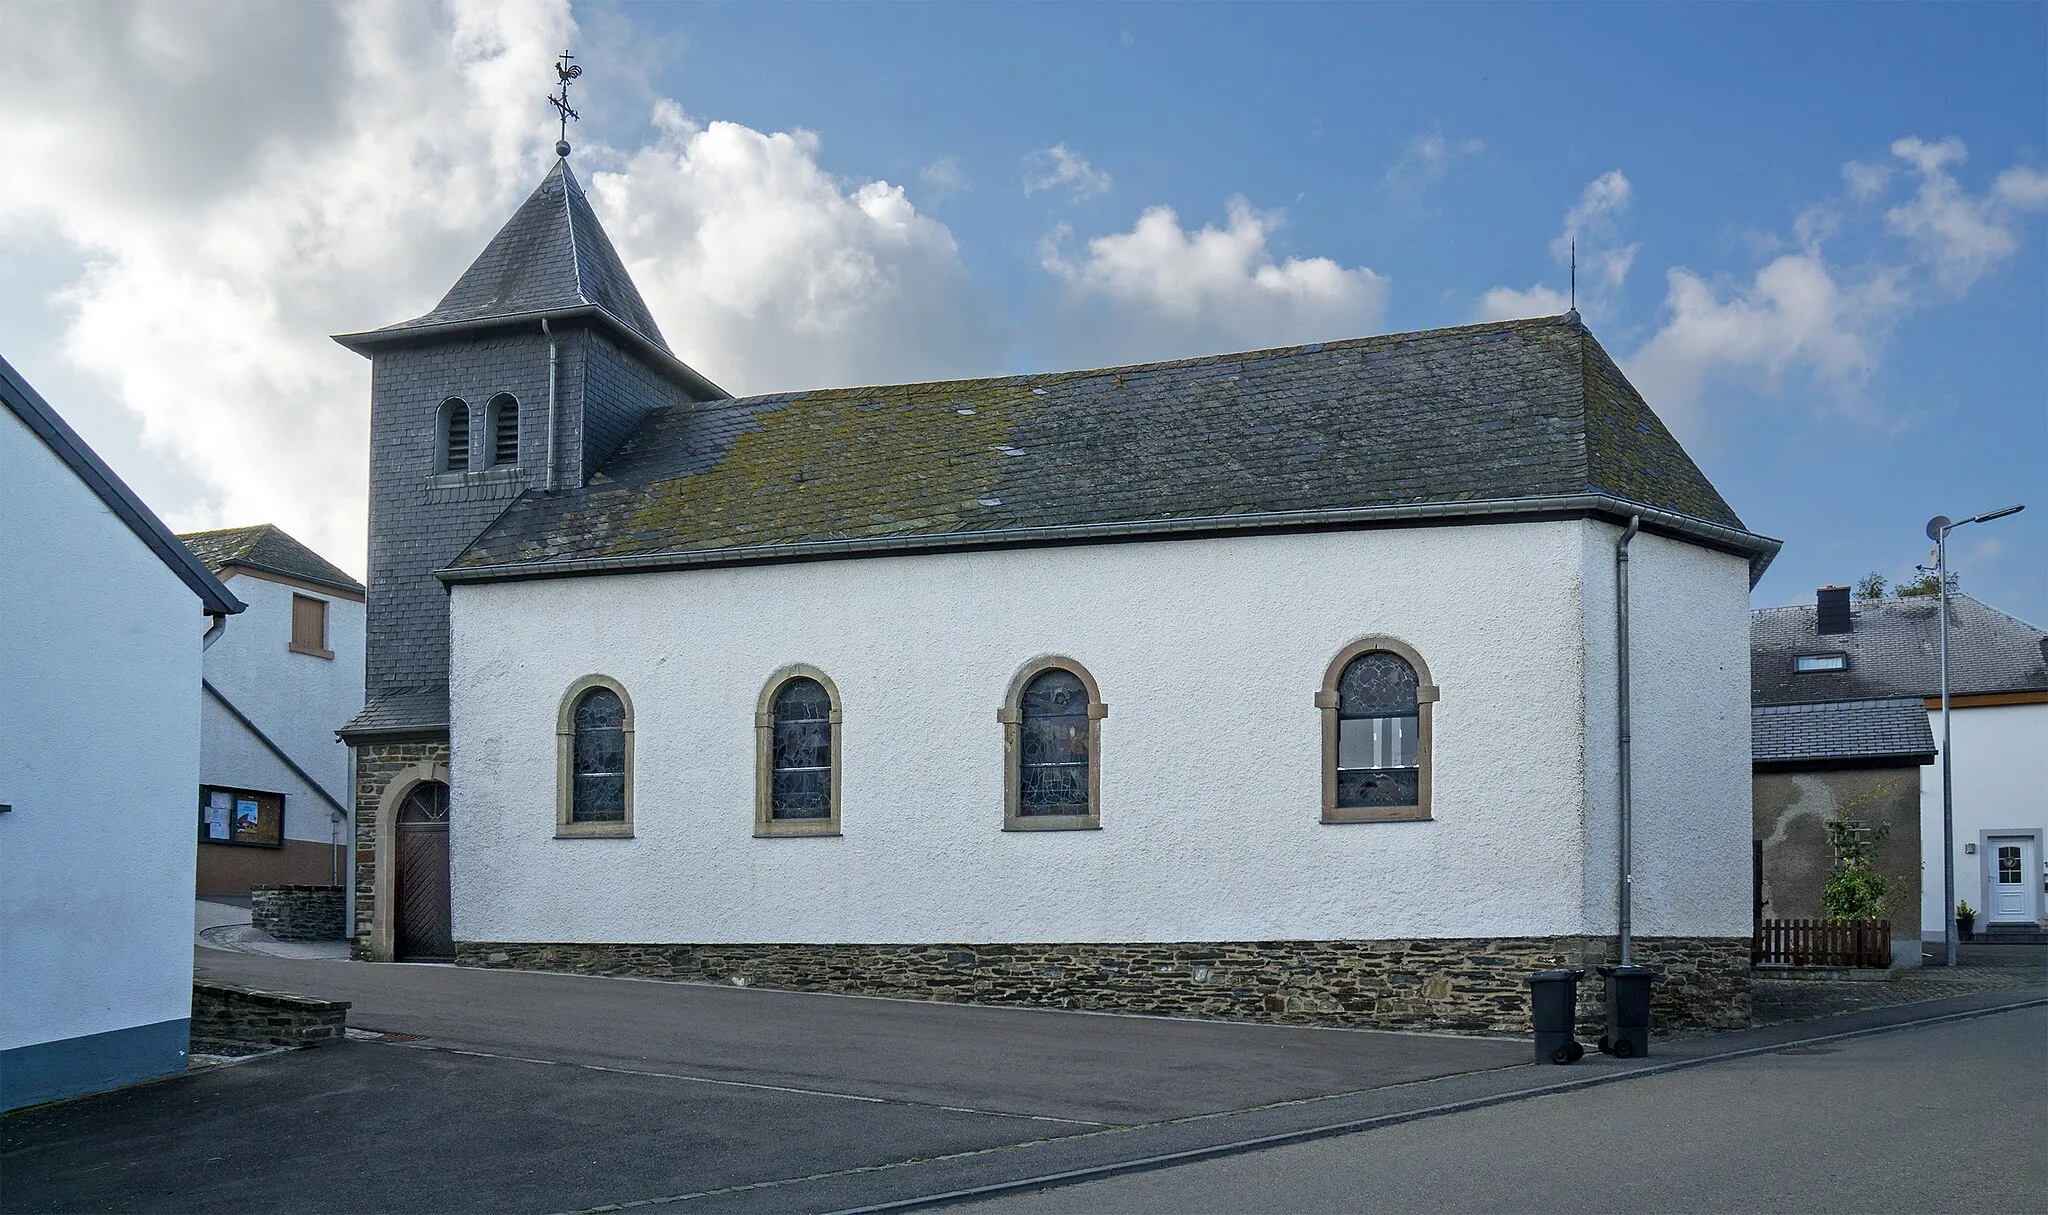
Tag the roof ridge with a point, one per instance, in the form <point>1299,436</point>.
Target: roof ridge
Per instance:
<point>571,185</point>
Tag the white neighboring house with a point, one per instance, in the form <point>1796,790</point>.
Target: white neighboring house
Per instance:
<point>273,796</point>
<point>1998,705</point>
<point>99,754</point>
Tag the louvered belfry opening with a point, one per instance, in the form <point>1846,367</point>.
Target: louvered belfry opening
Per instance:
<point>504,429</point>
<point>455,436</point>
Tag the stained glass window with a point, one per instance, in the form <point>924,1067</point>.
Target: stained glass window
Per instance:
<point>1052,766</point>
<point>600,758</point>
<point>427,802</point>
<point>1379,733</point>
<point>801,755</point>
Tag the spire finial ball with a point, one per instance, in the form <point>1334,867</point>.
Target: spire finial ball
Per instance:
<point>562,148</point>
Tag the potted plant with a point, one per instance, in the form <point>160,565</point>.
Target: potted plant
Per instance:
<point>1966,920</point>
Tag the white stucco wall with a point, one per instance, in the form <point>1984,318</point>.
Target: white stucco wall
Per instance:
<point>99,757</point>
<point>1208,653</point>
<point>297,700</point>
<point>1689,712</point>
<point>2001,784</point>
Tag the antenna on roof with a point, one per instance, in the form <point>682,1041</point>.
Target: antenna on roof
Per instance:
<point>1575,273</point>
<point>567,69</point>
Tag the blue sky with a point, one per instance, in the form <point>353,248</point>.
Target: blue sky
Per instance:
<point>1813,234</point>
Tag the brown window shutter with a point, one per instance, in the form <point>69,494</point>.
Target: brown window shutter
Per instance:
<point>309,624</point>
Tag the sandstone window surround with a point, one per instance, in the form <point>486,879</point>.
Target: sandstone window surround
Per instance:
<point>797,754</point>
<point>1376,705</point>
<point>1052,747</point>
<point>503,428</point>
<point>594,760</point>
<point>451,436</point>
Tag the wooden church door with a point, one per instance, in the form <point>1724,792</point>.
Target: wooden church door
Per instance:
<point>425,926</point>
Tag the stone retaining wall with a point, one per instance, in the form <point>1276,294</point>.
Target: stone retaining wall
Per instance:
<point>299,913</point>
<point>1465,985</point>
<point>225,1013</point>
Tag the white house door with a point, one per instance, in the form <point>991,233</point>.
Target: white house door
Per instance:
<point>2014,880</point>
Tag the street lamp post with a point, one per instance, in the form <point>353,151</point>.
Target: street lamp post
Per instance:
<point>1938,529</point>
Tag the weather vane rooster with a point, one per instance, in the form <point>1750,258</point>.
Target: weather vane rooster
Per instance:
<point>567,69</point>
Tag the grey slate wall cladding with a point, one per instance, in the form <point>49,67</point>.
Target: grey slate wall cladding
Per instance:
<point>618,392</point>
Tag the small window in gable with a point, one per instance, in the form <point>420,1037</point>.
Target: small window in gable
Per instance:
<point>1820,662</point>
<point>594,760</point>
<point>504,429</point>
<point>309,627</point>
<point>453,438</point>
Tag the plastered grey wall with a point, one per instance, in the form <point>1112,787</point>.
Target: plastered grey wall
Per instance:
<point>1790,810</point>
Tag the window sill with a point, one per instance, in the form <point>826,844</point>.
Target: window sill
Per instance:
<point>796,828</point>
<point>1376,814</point>
<point>309,651</point>
<point>574,831</point>
<point>1054,822</point>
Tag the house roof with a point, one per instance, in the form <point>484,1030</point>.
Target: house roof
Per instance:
<point>399,712</point>
<point>27,404</point>
<point>1526,418</point>
<point>266,548</point>
<point>1844,730</point>
<point>1894,649</point>
<point>551,260</point>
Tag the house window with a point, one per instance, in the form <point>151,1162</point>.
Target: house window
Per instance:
<point>1376,704</point>
<point>1052,745</point>
<point>240,816</point>
<point>309,627</point>
<point>594,760</point>
<point>504,429</point>
<point>796,751</point>
<point>1820,662</point>
<point>453,436</point>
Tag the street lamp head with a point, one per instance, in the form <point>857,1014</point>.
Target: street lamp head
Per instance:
<point>1937,527</point>
<point>2001,512</point>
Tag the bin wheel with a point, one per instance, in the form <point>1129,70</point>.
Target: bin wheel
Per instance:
<point>1570,1052</point>
<point>1624,1049</point>
<point>1606,1045</point>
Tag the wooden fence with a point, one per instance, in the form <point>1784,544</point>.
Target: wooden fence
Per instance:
<point>1822,943</point>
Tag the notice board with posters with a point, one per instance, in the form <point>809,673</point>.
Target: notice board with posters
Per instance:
<point>240,816</point>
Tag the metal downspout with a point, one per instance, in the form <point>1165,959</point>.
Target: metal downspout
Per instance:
<point>1628,875</point>
<point>213,631</point>
<point>553,365</point>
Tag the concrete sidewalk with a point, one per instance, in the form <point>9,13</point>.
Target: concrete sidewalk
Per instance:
<point>224,924</point>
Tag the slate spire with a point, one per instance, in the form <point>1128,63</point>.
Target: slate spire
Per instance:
<point>551,256</point>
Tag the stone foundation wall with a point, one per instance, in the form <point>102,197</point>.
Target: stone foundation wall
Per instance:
<point>224,1013</point>
<point>378,765</point>
<point>299,913</point>
<point>1465,985</point>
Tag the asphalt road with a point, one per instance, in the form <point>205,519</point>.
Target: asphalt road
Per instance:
<point>1947,1117</point>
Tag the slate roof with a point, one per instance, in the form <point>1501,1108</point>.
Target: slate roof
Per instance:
<point>24,402</point>
<point>399,712</point>
<point>1528,415</point>
<point>551,256</point>
<point>267,548</point>
<point>1894,649</point>
<point>1843,730</point>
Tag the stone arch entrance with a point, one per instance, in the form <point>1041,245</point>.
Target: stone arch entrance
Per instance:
<point>424,926</point>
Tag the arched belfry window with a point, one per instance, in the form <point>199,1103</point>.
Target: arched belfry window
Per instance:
<point>504,428</point>
<point>594,759</point>
<point>796,754</point>
<point>451,439</point>
<point>1052,746</point>
<point>1376,703</point>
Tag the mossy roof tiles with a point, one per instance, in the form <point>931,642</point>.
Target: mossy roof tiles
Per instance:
<point>1492,412</point>
<point>266,547</point>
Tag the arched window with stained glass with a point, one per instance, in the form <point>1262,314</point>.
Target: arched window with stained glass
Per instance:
<point>1376,707</point>
<point>1052,742</point>
<point>796,728</point>
<point>594,756</point>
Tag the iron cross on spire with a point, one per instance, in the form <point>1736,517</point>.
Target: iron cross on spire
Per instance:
<point>567,69</point>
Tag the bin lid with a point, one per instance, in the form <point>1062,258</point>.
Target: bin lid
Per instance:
<point>1627,972</point>
<point>1573,973</point>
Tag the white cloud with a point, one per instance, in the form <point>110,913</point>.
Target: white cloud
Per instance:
<point>240,182</point>
<point>944,176</point>
<point>765,273</point>
<point>1059,167</point>
<point>1960,236</point>
<point>1161,291</point>
<point>1592,235</point>
<point>1426,160</point>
